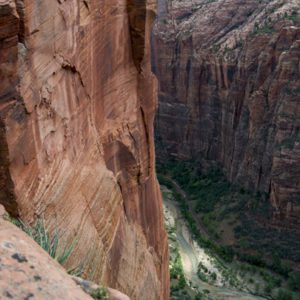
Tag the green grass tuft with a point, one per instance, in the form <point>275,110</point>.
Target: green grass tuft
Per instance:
<point>50,244</point>
<point>100,294</point>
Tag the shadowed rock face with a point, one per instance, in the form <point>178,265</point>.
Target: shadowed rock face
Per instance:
<point>229,91</point>
<point>77,103</point>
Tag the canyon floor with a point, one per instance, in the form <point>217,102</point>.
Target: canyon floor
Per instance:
<point>191,255</point>
<point>198,272</point>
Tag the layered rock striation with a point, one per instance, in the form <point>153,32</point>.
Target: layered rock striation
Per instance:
<point>77,103</point>
<point>229,91</point>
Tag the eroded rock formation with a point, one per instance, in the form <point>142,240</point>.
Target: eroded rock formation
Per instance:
<point>230,92</point>
<point>77,106</point>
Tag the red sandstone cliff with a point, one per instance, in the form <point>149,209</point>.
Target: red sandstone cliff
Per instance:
<point>230,91</point>
<point>77,103</point>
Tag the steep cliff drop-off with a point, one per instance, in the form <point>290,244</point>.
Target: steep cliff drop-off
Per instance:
<point>229,91</point>
<point>77,104</point>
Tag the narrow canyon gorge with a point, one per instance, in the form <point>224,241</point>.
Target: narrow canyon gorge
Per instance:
<point>150,149</point>
<point>227,137</point>
<point>229,89</point>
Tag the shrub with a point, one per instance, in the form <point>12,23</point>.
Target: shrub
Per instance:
<point>100,294</point>
<point>252,259</point>
<point>293,17</point>
<point>294,280</point>
<point>268,289</point>
<point>201,266</point>
<point>202,276</point>
<point>265,29</point>
<point>176,271</point>
<point>199,296</point>
<point>284,295</point>
<point>181,282</point>
<point>213,276</point>
<point>279,267</point>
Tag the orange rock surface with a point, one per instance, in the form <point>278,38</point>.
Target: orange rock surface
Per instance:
<point>27,271</point>
<point>77,103</point>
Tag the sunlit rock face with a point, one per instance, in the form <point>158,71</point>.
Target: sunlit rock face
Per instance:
<point>77,104</point>
<point>229,91</point>
<point>28,271</point>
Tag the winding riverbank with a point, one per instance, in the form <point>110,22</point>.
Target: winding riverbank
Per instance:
<point>192,255</point>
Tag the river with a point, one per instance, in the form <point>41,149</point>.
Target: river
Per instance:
<point>191,255</point>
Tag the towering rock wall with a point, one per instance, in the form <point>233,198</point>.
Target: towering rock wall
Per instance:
<point>77,103</point>
<point>229,91</point>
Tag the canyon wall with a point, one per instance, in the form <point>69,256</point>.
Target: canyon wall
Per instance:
<point>77,104</point>
<point>229,91</point>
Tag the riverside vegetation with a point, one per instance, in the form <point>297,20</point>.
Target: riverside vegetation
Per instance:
<point>231,224</point>
<point>196,273</point>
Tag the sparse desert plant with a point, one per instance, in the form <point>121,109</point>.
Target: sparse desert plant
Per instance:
<point>41,236</point>
<point>100,294</point>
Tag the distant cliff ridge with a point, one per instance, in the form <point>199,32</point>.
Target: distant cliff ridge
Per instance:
<point>76,133</point>
<point>229,91</point>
